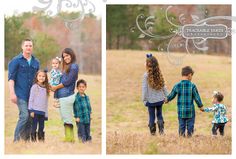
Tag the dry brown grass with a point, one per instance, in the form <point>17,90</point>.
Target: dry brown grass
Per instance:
<point>54,130</point>
<point>127,118</point>
<point>143,143</point>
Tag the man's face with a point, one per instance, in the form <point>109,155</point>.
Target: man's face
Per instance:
<point>27,47</point>
<point>81,88</point>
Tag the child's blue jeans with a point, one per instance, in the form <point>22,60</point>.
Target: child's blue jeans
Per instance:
<point>186,123</point>
<point>38,120</point>
<point>83,131</point>
<point>155,111</point>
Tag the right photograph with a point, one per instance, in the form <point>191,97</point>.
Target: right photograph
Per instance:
<point>168,79</point>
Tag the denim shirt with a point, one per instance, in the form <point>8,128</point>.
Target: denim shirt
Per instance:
<point>68,80</point>
<point>22,74</point>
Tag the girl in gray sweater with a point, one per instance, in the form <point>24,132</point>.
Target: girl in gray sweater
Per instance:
<point>38,104</point>
<point>154,93</point>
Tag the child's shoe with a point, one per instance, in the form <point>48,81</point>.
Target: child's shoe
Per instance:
<point>161,127</point>
<point>152,129</point>
<point>33,137</point>
<point>41,136</point>
<point>89,139</point>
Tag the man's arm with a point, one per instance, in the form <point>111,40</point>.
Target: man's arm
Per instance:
<point>13,96</point>
<point>12,71</point>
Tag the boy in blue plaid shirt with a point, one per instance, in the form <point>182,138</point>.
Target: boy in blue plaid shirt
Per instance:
<point>187,92</point>
<point>82,112</point>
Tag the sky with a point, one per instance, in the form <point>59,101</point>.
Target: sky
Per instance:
<point>12,6</point>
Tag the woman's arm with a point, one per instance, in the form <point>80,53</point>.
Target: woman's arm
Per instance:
<point>71,75</point>
<point>69,80</point>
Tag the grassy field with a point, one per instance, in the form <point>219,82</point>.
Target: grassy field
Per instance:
<point>54,130</point>
<point>127,118</point>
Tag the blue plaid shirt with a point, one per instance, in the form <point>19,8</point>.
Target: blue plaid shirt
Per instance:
<point>22,73</point>
<point>82,108</point>
<point>219,113</point>
<point>187,92</point>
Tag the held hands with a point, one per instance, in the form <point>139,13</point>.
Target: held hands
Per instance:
<point>202,109</point>
<point>165,101</point>
<point>77,119</point>
<point>32,114</point>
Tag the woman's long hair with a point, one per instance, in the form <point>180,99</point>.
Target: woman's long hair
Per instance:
<point>45,83</point>
<point>155,78</point>
<point>65,66</point>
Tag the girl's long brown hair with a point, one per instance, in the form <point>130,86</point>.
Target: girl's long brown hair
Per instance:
<point>155,78</point>
<point>65,66</point>
<point>45,83</point>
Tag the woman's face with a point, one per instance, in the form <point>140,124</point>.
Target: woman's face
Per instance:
<point>67,58</point>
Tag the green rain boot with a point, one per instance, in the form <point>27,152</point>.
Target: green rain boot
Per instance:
<point>69,134</point>
<point>72,139</point>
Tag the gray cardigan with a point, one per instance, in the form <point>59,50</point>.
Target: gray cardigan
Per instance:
<point>151,95</point>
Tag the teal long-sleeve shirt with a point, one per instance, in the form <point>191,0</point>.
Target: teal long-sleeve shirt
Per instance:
<point>82,108</point>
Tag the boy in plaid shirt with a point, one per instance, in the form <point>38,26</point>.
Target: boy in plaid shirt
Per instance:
<point>82,111</point>
<point>187,92</point>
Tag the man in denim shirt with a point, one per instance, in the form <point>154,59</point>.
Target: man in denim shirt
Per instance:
<point>21,72</point>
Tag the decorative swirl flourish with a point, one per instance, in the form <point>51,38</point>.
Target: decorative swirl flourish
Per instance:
<point>79,5</point>
<point>178,33</point>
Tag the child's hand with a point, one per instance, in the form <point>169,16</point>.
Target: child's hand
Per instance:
<point>77,119</point>
<point>53,88</point>
<point>202,109</point>
<point>32,114</point>
<point>165,101</point>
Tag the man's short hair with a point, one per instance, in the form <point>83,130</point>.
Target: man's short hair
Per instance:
<point>187,70</point>
<point>27,39</point>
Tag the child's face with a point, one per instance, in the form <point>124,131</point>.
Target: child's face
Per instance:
<point>214,100</point>
<point>41,77</point>
<point>55,64</point>
<point>190,76</point>
<point>81,88</point>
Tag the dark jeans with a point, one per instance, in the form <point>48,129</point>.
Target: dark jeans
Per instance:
<point>186,123</point>
<point>155,111</point>
<point>83,131</point>
<point>217,126</point>
<point>38,121</point>
<point>23,127</point>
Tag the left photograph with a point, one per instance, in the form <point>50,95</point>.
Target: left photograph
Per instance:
<point>53,78</point>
